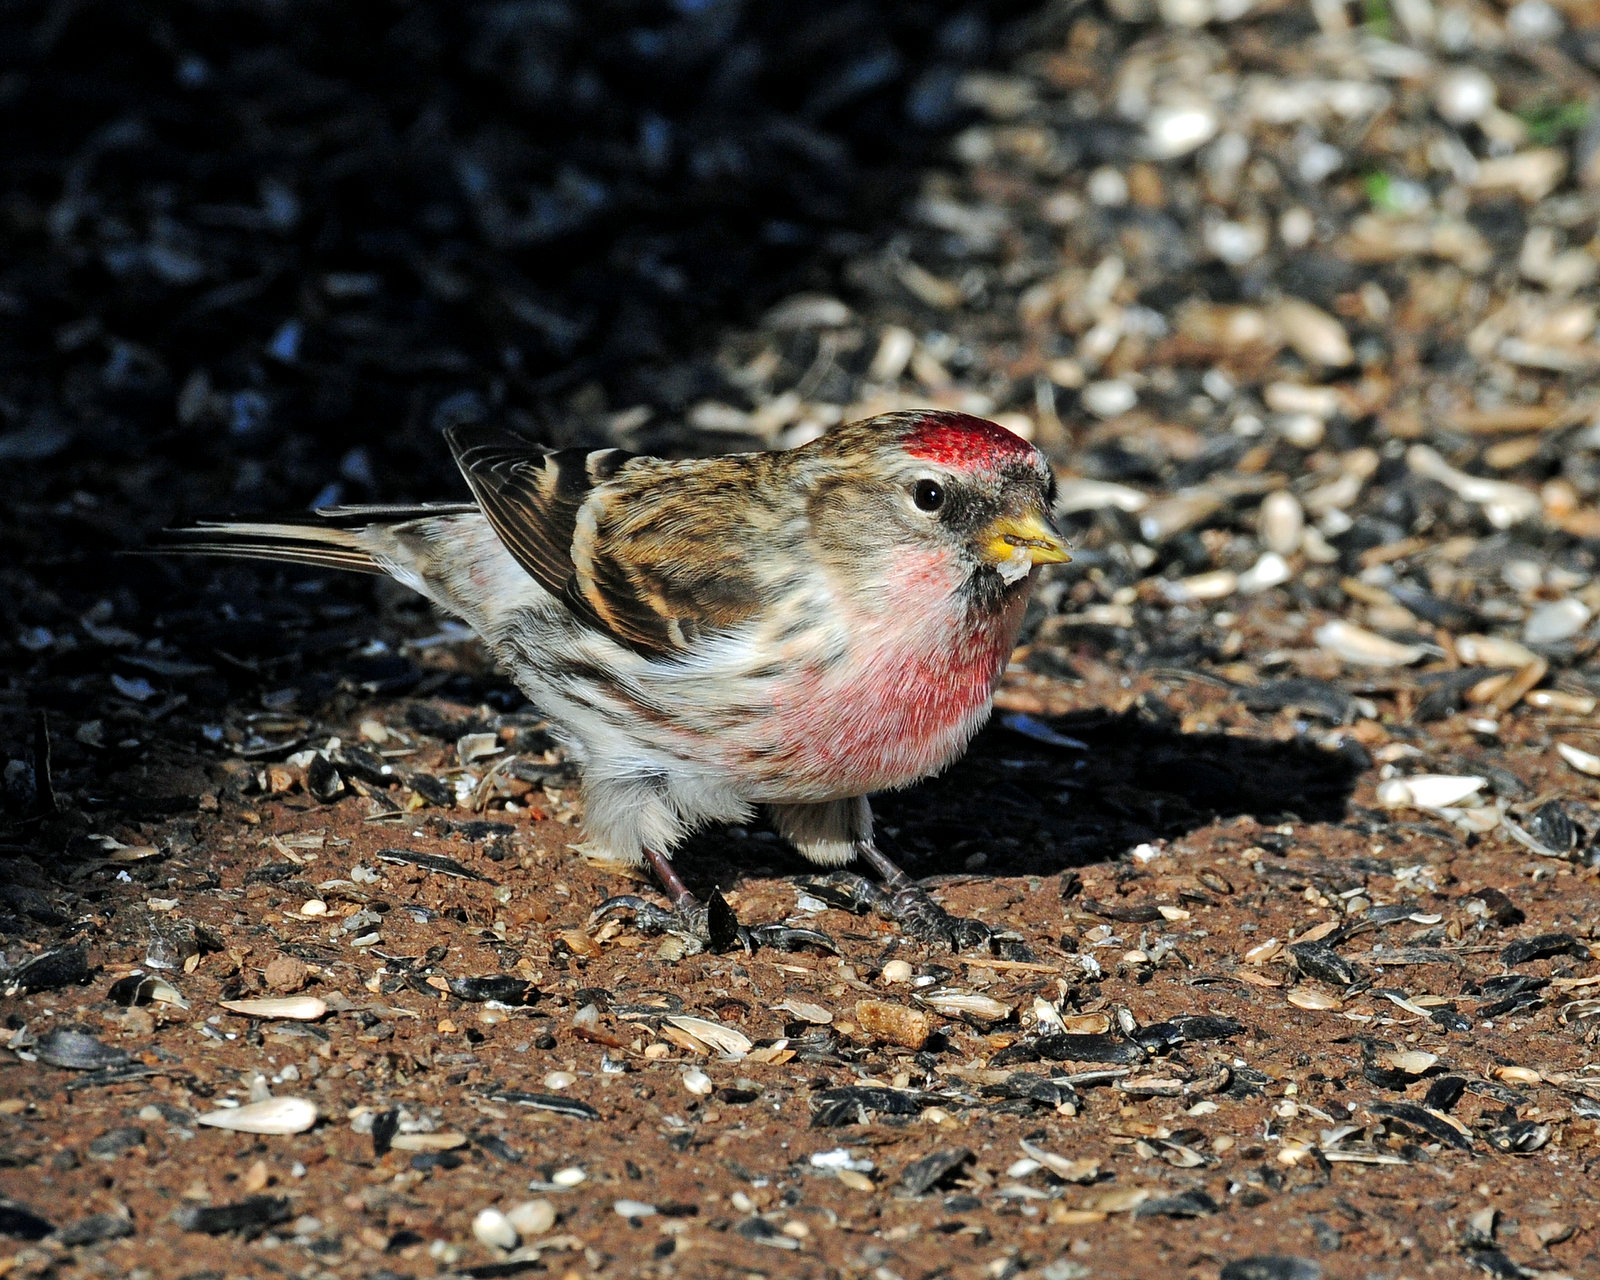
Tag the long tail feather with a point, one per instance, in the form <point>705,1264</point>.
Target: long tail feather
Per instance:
<point>331,539</point>
<point>329,548</point>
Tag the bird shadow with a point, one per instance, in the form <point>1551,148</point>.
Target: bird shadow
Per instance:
<point>1018,806</point>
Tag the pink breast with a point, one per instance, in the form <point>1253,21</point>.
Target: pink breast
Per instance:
<point>894,710</point>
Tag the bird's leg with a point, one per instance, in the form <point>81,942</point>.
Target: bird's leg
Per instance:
<point>709,925</point>
<point>896,896</point>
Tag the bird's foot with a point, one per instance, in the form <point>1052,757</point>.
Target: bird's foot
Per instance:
<point>709,925</point>
<point>703,926</point>
<point>906,903</point>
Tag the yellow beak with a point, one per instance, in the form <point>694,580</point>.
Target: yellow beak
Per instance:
<point>1031,533</point>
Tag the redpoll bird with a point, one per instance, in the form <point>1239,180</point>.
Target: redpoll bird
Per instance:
<point>790,630</point>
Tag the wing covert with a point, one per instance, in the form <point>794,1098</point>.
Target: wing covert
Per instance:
<point>646,559</point>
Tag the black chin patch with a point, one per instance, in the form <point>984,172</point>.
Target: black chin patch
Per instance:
<point>987,592</point>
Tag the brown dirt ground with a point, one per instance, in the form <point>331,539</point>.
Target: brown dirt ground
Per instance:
<point>715,1163</point>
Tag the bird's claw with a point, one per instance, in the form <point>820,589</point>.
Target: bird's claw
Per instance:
<point>650,917</point>
<point>782,937</point>
<point>710,925</point>
<point>851,892</point>
<point>925,919</point>
<point>908,905</point>
<point>706,926</point>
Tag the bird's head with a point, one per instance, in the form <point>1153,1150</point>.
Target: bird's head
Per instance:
<point>946,489</point>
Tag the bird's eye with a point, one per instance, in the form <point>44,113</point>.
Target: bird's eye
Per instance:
<point>928,495</point>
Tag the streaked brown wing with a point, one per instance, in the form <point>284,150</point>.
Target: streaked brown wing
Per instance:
<point>671,552</point>
<point>656,562</point>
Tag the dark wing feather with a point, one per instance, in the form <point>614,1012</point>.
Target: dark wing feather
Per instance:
<point>662,559</point>
<point>532,495</point>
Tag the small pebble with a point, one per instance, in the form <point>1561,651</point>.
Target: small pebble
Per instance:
<point>1313,333</point>
<point>895,348</point>
<point>895,1023</point>
<point>1464,95</point>
<point>1302,430</point>
<point>1236,242</point>
<point>1109,399</point>
<point>1557,621</point>
<point>495,1229</point>
<point>1534,21</point>
<point>697,1082</point>
<point>532,1217</point>
<point>286,974</point>
<point>557,1080</point>
<point>1107,187</point>
<point>1176,130</point>
<point>897,971</point>
<point>1281,523</point>
<point>1186,13</point>
<point>1296,226</point>
<point>633,1209</point>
